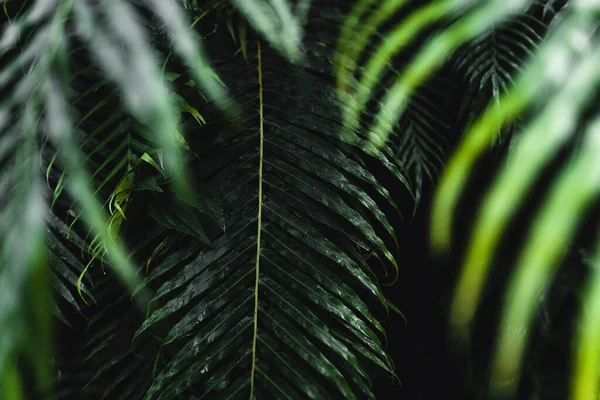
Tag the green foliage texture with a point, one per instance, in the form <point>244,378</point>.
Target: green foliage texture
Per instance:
<point>206,194</point>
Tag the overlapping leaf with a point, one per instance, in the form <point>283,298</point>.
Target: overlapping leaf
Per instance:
<point>468,21</point>
<point>35,46</point>
<point>562,93</point>
<point>24,290</point>
<point>101,364</point>
<point>560,80</point>
<point>489,64</point>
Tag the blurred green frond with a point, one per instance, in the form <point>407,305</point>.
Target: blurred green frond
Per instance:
<point>500,51</point>
<point>560,80</point>
<point>41,103</point>
<point>24,291</point>
<point>276,21</point>
<point>473,21</point>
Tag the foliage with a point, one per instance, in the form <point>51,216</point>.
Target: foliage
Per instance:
<point>555,85</point>
<point>265,219</point>
<point>223,179</point>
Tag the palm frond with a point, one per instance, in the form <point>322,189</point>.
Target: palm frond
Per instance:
<point>103,365</point>
<point>503,66</point>
<point>420,143</point>
<point>36,38</point>
<point>489,64</point>
<point>64,246</point>
<point>252,314</point>
<point>570,86</point>
<point>474,21</point>
<point>25,299</point>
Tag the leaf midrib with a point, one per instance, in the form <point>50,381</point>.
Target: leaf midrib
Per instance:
<point>259,223</point>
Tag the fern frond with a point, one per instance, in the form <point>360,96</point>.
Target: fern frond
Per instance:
<point>489,64</point>
<point>67,266</point>
<point>562,90</point>
<point>474,22</point>
<point>250,313</point>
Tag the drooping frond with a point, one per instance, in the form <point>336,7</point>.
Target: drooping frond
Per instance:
<point>104,367</point>
<point>277,306</point>
<point>36,47</point>
<point>24,294</point>
<point>420,142</point>
<point>64,251</point>
<point>561,91</point>
<point>472,21</point>
<point>489,64</point>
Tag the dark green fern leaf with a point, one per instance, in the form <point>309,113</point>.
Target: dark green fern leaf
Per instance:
<point>419,139</point>
<point>489,64</point>
<point>67,265</point>
<point>420,142</point>
<point>104,351</point>
<point>278,307</point>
